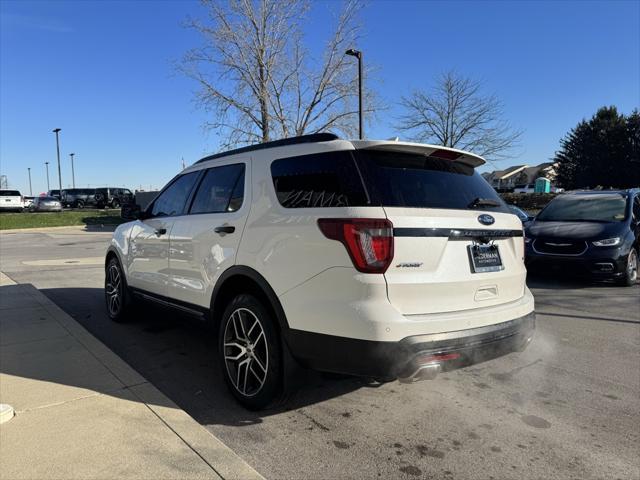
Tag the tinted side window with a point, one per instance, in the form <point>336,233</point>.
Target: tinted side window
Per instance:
<point>221,190</point>
<point>172,200</point>
<point>328,179</point>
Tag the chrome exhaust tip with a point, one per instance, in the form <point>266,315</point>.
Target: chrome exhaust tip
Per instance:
<point>423,372</point>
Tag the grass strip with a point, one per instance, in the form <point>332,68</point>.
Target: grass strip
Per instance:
<point>10,221</point>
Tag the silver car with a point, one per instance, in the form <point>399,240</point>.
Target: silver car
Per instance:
<point>45,204</point>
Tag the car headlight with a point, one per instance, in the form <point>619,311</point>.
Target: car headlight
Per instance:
<point>607,242</point>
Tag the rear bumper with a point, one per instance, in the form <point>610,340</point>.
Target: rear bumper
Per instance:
<point>49,209</point>
<point>402,359</point>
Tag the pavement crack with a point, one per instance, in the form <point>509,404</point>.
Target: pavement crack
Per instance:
<point>314,421</point>
<point>57,404</point>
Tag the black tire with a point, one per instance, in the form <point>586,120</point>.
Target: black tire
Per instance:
<point>255,376</point>
<point>630,276</point>
<point>115,204</point>
<point>79,204</point>
<point>119,309</point>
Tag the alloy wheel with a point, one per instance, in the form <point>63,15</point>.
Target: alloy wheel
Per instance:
<point>113,289</point>
<point>246,354</point>
<point>632,265</point>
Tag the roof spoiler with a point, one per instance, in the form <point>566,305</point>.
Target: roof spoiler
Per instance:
<point>438,151</point>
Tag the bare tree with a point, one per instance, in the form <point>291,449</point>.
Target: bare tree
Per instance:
<point>456,114</point>
<point>259,81</point>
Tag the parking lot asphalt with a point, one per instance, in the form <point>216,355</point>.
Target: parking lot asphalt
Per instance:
<point>568,407</point>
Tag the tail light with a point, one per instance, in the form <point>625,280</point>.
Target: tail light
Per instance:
<point>368,241</point>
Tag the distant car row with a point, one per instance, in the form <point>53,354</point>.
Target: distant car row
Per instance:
<point>103,197</point>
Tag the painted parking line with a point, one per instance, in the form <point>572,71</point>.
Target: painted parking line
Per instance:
<point>65,262</point>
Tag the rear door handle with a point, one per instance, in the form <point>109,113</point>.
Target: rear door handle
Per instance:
<point>160,231</point>
<point>225,229</point>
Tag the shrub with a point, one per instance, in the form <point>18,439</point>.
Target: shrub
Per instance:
<point>529,201</point>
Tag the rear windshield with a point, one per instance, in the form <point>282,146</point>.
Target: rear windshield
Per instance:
<point>397,179</point>
<point>585,208</point>
<point>9,193</point>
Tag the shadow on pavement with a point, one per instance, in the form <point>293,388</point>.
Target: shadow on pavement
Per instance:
<point>98,227</point>
<point>178,355</point>
<point>560,281</point>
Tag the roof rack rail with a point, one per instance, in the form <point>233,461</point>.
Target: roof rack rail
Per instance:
<point>312,138</point>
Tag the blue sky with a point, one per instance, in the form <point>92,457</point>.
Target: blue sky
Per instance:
<point>102,71</point>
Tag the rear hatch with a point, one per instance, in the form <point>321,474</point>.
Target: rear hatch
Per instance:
<point>457,246</point>
<point>10,199</point>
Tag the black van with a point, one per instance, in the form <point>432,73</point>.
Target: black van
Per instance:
<point>80,198</point>
<point>590,233</point>
<point>114,197</point>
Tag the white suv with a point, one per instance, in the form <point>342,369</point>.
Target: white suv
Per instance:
<point>374,258</point>
<point>11,200</point>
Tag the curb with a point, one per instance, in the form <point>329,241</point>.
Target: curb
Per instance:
<point>108,228</point>
<point>220,458</point>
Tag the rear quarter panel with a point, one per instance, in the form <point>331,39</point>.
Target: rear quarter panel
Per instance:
<point>285,245</point>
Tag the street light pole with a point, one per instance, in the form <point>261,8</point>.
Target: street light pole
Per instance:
<point>30,189</point>
<point>73,175</point>
<point>57,131</point>
<point>47,165</point>
<point>358,54</point>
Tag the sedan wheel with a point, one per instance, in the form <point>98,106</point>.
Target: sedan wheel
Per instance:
<point>632,266</point>
<point>631,272</point>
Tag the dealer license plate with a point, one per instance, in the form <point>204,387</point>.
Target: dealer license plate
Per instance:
<point>484,258</point>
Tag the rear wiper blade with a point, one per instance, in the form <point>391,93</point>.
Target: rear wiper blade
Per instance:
<point>483,202</point>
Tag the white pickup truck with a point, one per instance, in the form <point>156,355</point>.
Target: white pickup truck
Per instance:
<point>11,200</point>
<point>529,188</point>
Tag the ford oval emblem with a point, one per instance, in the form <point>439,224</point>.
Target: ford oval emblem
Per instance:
<point>486,219</point>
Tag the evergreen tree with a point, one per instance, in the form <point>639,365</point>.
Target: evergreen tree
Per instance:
<point>602,151</point>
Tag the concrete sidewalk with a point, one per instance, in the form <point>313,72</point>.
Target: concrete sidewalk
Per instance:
<point>82,412</point>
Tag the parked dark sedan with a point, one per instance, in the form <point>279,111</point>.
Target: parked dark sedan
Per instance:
<point>45,204</point>
<point>590,233</point>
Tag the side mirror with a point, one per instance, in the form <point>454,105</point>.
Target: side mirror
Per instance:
<point>131,211</point>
